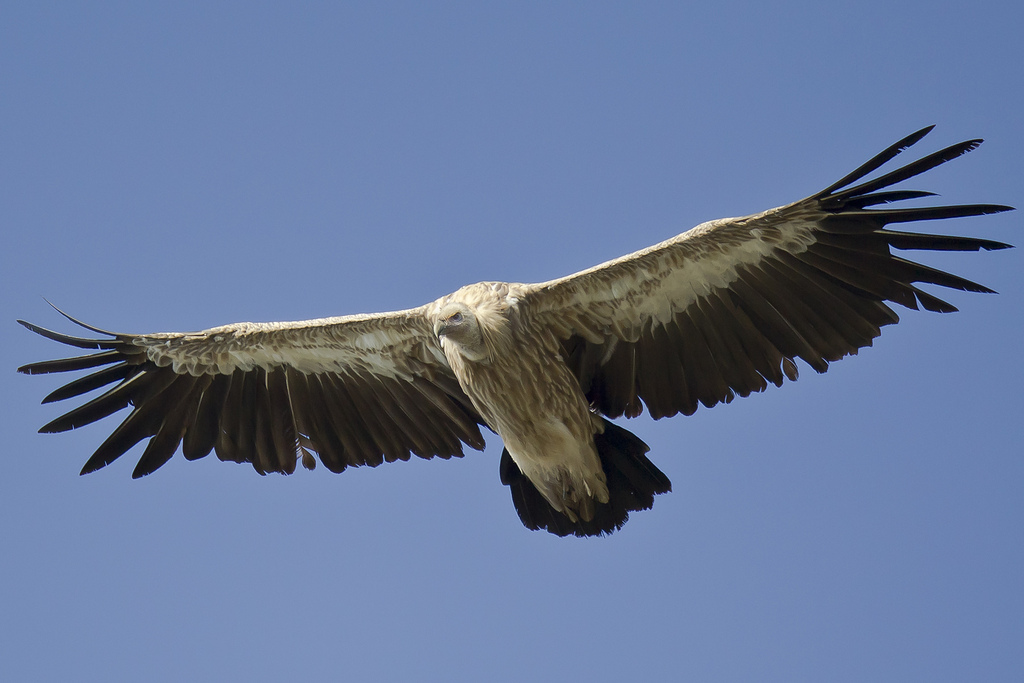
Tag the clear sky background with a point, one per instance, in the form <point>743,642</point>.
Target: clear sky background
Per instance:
<point>175,168</point>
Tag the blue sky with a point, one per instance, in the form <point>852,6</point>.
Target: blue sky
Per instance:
<point>174,168</point>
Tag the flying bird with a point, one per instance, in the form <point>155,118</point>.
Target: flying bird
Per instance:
<point>719,311</point>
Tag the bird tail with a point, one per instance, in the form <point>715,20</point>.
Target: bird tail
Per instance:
<point>633,481</point>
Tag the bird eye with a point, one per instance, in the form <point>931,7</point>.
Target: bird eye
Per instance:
<point>455,317</point>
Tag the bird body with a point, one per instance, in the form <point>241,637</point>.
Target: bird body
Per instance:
<point>719,311</point>
<point>514,374</point>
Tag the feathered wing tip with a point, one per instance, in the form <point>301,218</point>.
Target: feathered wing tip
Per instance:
<point>77,342</point>
<point>877,161</point>
<point>78,322</point>
<point>633,481</point>
<point>852,200</point>
<point>853,243</point>
<point>123,366</point>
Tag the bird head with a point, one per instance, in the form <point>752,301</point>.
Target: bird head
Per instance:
<point>457,328</point>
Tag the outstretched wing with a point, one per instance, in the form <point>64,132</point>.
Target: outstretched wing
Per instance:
<point>726,307</point>
<point>357,390</point>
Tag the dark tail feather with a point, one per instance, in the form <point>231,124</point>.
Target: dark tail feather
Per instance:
<point>633,481</point>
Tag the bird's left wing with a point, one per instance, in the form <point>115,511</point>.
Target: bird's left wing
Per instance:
<point>726,307</point>
<point>356,390</point>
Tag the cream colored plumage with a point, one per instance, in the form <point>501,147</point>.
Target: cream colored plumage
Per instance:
<point>718,311</point>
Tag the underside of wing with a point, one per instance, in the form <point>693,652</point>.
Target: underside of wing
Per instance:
<point>725,309</point>
<point>358,390</point>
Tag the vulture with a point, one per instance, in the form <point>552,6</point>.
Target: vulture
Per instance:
<point>719,311</point>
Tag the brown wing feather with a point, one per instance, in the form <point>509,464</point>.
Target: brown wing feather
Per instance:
<point>724,309</point>
<point>359,390</point>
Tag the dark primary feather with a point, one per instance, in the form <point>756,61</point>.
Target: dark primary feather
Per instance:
<point>80,342</point>
<point>877,161</point>
<point>84,385</point>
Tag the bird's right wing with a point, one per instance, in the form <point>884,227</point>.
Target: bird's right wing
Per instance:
<point>725,308</point>
<point>357,390</point>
